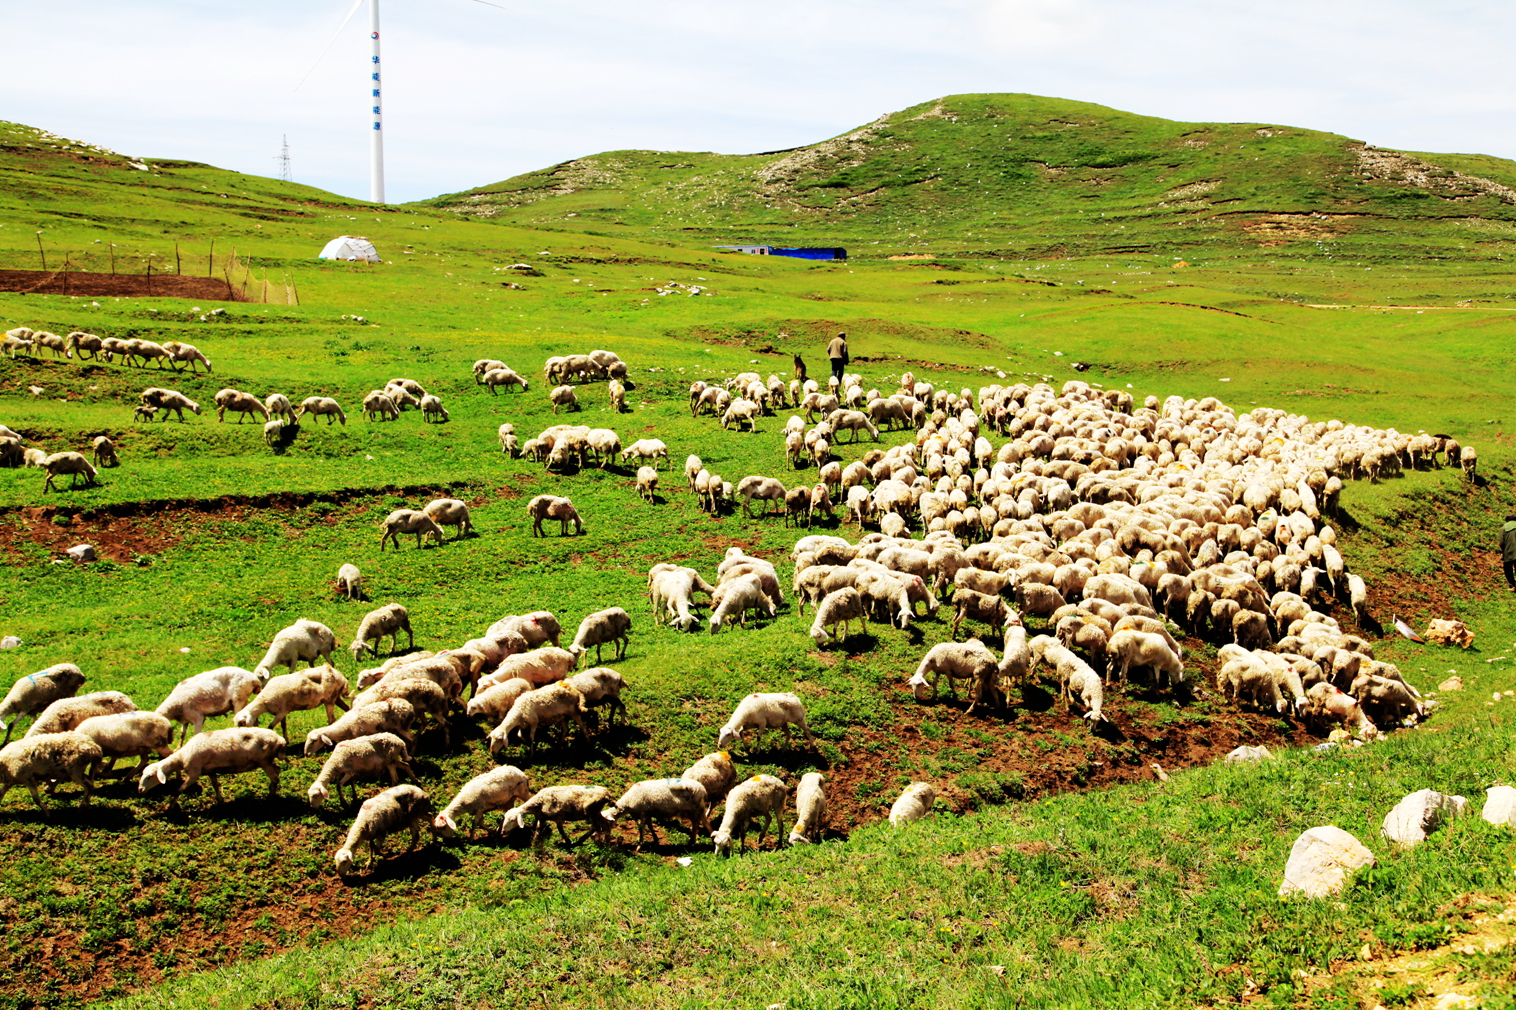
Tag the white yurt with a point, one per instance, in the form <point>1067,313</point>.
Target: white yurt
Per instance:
<point>351,248</point>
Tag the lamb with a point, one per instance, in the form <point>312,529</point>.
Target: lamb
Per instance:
<point>128,735</point>
<point>351,581</point>
<point>497,789</point>
<point>557,804</point>
<point>615,394</point>
<point>761,797</point>
<point>239,403</point>
<point>378,406</point>
<point>66,714</point>
<point>214,692</point>
<point>810,809</point>
<point>103,450</point>
<point>322,687</point>
<point>665,800</point>
<point>304,640</point>
<point>762,488</point>
<point>763,712</point>
<point>408,521</point>
<point>39,760</point>
<point>394,715</point>
<point>546,506</point>
<point>612,625</point>
<point>365,757</point>
<point>543,706</point>
<point>913,804</point>
<point>716,773</point>
<point>838,608</point>
<point>451,512</point>
<point>647,483</point>
<point>278,405</point>
<point>387,620</point>
<point>273,431</point>
<point>563,396</point>
<point>219,752</point>
<point>1128,648</point>
<point>600,686</point>
<point>36,691</point>
<point>396,809</point>
<point>71,463</point>
<point>319,405</point>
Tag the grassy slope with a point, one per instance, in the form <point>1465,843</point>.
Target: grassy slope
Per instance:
<point>221,582</point>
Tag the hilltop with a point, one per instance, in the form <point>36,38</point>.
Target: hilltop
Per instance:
<point>1025,176</point>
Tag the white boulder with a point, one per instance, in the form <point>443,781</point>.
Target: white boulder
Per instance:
<point>1321,861</point>
<point>1247,755</point>
<point>1420,813</point>
<point>1500,806</point>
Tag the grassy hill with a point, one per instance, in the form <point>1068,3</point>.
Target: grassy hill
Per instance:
<point>1057,870</point>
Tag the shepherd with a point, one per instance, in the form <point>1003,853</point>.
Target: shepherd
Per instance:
<point>837,351</point>
<point>1508,550</point>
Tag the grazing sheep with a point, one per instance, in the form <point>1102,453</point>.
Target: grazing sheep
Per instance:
<point>40,760</point>
<point>65,714</point>
<point>970,661</point>
<point>377,406</point>
<point>393,715</point>
<point>317,687</point>
<point>538,628</point>
<point>735,597</point>
<point>1469,458</point>
<point>563,396</point>
<point>763,712</point>
<point>647,483</point>
<point>364,757</point>
<point>319,405</point>
<point>497,789</point>
<point>1251,681</point>
<point>186,353</point>
<point>762,488</point>
<point>351,581</point>
<point>103,450</point>
<point>128,735</point>
<point>543,706</point>
<point>278,405</point>
<point>616,394</point>
<point>239,403</point>
<point>304,641</point>
<point>716,773</point>
<point>970,605</point>
<point>168,400</point>
<point>810,809</point>
<point>1128,648</point>
<point>540,666</point>
<point>914,803</point>
<point>216,753</point>
<point>494,703</point>
<point>425,696</point>
<point>432,409</point>
<point>396,809</point>
<point>612,625</point>
<point>71,463</point>
<point>600,686</point>
<point>402,397</point>
<point>502,376</point>
<point>408,521</point>
<point>214,692</point>
<point>761,797</point>
<point>662,800</point>
<point>651,449</point>
<point>36,691</point>
<point>390,619</point>
<point>451,512</point>
<point>558,804</point>
<point>546,506</point>
<point>1388,701</point>
<point>841,607</point>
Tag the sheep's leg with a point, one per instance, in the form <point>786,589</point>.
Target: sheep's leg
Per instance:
<point>216,785</point>
<point>36,797</point>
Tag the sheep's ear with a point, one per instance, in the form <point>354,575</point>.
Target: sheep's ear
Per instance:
<point>158,774</point>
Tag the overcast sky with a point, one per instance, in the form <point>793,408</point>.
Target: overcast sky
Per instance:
<point>476,93</point>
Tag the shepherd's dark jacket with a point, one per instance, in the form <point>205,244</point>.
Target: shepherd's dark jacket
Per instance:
<point>1508,542</point>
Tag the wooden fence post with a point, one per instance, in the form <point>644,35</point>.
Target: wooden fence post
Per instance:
<point>41,252</point>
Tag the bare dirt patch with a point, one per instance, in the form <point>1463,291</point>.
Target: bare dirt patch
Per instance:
<point>73,282</point>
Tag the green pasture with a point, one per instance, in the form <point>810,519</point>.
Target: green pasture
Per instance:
<point>1393,314</point>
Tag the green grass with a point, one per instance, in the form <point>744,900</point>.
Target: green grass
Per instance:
<point>1083,892</point>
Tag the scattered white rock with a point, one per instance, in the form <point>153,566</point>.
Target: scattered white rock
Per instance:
<point>10,642</point>
<point>184,649</point>
<point>1321,861</point>
<point>1500,806</point>
<point>1420,813</point>
<point>81,552</point>
<point>1246,754</point>
<point>1452,1001</point>
<point>1451,684</point>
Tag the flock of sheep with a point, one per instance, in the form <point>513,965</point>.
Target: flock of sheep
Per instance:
<point>1113,523</point>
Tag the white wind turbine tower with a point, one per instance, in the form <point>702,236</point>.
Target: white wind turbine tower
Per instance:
<point>376,135</point>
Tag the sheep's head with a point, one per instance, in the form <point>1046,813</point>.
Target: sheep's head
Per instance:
<point>152,777</point>
<point>444,826</point>
<point>344,861</point>
<point>316,794</point>
<point>245,718</point>
<point>723,840</point>
<point>730,735</point>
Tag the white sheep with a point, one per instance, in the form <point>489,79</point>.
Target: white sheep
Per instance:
<point>761,797</point>
<point>128,735</point>
<point>605,444</point>
<point>216,753</point>
<point>493,703</point>
<point>563,396</point>
<point>558,804</point>
<point>1128,648</point>
<point>662,800</point>
<point>304,641</point>
<point>317,406</point>
<point>64,714</point>
<point>497,789</point>
<point>546,506</point>
<point>214,692</point>
<point>612,625</point>
<point>393,715</point>
<point>501,376</point>
<point>810,809</point>
<point>762,488</point>
<point>716,773</point>
<point>735,597</point>
<point>841,607</point>
<point>405,522</point>
<point>543,706</point>
<point>377,405</point>
<point>432,409</point>
<point>970,661</point>
<point>239,403</point>
<point>651,449</point>
<point>317,687</point>
<point>169,400</point>
<point>40,760</point>
<point>103,451</point>
<point>279,405</point>
<point>913,804</point>
<point>36,691</point>
<point>366,757</point>
<point>775,710</point>
<point>647,483</point>
<point>396,809</point>
<point>390,620</point>
<point>351,581</point>
<point>71,463</point>
<point>540,666</point>
<point>425,697</point>
<point>600,687</point>
<point>273,431</point>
